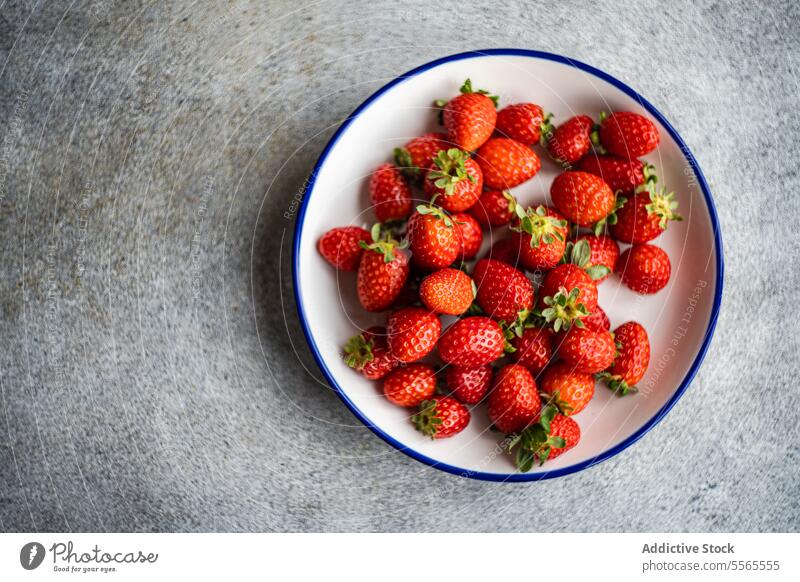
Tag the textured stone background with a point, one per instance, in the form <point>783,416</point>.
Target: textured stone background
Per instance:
<point>154,376</point>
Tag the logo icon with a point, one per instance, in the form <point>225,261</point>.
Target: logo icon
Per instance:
<point>31,555</point>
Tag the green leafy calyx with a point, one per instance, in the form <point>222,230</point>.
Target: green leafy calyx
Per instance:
<point>542,228</point>
<point>358,352</point>
<point>383,243</point>
<point>616,383</point>
<point>534,444</point>
<point>427,420</point>
<point>564,310</point>
<point>450,169</point>
<point>466,88</point>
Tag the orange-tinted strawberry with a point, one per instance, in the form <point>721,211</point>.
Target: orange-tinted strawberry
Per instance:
<point>470,234</point>
<point>447,291</point>
<point>521,122</point>
<point>470,118</point>
<point>472,342</point>
<point>533,349</point>
<point>628,135</point>
<point>597,320</point>
<point>505,250</point>
<point>644,268</point>
<point>633,357</point>
<point>341,247</point>
<point>603,252</point>
<point>582,198</point>
<point>570,141</point>
<point>494,208</point>
<point>413,333</point>
<point>469,385</point>
<point>553,435</point>
<point>569,390</point>
<point>503,291</point>
<point>587,351</point>
<point>514,402</point>
<point>434,241</point>
<point>417,155</point>
<point>540,234</point>
<point>506,163</point>
<point>455,179</point>
<point>410,385</point>
<point>645,216</point>
<point>441,417</point>
<point>622,176</point>
<point>382,272</point>
<point>389,193</point>
<point>568,294</point>
<point>368,353</point>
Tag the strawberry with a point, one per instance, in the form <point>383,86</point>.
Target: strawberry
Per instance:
<point>644,268</point>
<point>583,198</point>
<point>597,320</point>
<point>455,178</point>
<point>472,342</point>
<point>470,234</point>
<point>587,351</point>
<point>603,252</point>
<point>622,176</point>
<point>410,385</point>
<point>568,294</point>
<point>368,353</point>
<point>506,163</point>
<point>382,272</point>
<point>540,235</point>
<point>513,402</point>
<point>628,135</point>
<point>469,118</point>
<point>506,250</point>
<point>569,390</point>
<point>469,385</point>
<point>533,349</point>
<point>570,141</point>
<point>503,291</point>
<point>341,247</point>
<point>417,155</point>
<point>441,417</point>
<point>494,208</point>
<point>553,435</point>
<point>389,193</point>
<point>447,291</point>
<point>521,122</point>
<point>645,216</point>
<point>413,333</point>
<point>434,241</point>
<point>633,357</point>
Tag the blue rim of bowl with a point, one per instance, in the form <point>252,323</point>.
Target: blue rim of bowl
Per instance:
<point>646,427</point>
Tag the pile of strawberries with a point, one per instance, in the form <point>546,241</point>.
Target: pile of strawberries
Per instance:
<point>530,339</point>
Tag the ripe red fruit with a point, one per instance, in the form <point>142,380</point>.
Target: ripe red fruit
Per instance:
<point>389,193</point>
<point>506,163</point>
<point>472,342</point>
<point>514,402</point>
<point>434,241</point>
<point>540,235</point>
<point>418,154</point>
<point>628,135</point>
<point>587,351</point>
<point>382,272</point>
<point>569,390</point>
<point>533,349</point>
<point>633,357</point>
<point>368,353</point>
<point>454,179</point>
<point>503,291</point>
<point>506,250</point>
<point>494,208</point>
<point>567,294</point>
<point>603,252</point>
<point>644,268</point>
<point>470,234</point>
<point>470,118</point>
<point>570,141</point>
<point>597,320</point>
<point>553,435</point>
<point>410,385</point>
<point>645,216</point>
<point>521,122</point>
<point>583,198</point>
<point>622,176</point>
<point>448,291</point>
<point>341,247</point>
<point>413,333</point>
<point>441,417</point>
<point>469,385</point>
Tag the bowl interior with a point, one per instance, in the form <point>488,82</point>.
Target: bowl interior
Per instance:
<point>677,319</point>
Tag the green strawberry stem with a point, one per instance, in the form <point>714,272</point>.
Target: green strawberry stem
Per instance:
<point>450,169</point>
<point>579,253</point>
<point>611,218</point>
<point>437,211</point>
<point>616,383</point>
<point>563,310</point>
<point>541,227</point>
<point>358,352</point>
<point>535,443</point>
<point>383,243</point>
<point>402,159</point>
<point>466,88</point>
<point>426,420</point>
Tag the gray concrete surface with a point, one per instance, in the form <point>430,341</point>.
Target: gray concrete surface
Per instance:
<point>154,376</point>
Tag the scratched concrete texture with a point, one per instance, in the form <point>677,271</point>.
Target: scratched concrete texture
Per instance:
<point>153,374</point>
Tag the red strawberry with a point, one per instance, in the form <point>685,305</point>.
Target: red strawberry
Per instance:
<point>552,436</point>
<point>533,349</point>
<point>413,333</point>
<point>441,417</point>
<point>470,118</point>
<point>410,385</point>
<point>569,390</point>
<point>513,402</point>
<point>455,179</point>
<point>506,163</point>
<point>521,122</point>
<point>597,320</point>
<point>628,135</point>
<point>583,198</point>
<point>570,141</point>
<point>418,154</point>
<point>470,234</point>
<point>603,252</point>
<point>368,353</point>
<point>447,291</point>
<point>540,236</point>
<point>469,385</point>
<point>341,247</point>
<point>587,351</point>
<point>645,216</point>
<point>389,193</point>
<point>506,250</point>
<point>382,272</point>
<point>435,242</point>
<point>644,268</point>
<point>633,357</point>
<point>472,342</point>
<point>503,291</point>
<point>567,294</point>
<point>494,208</point>
<point>622,176</point>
